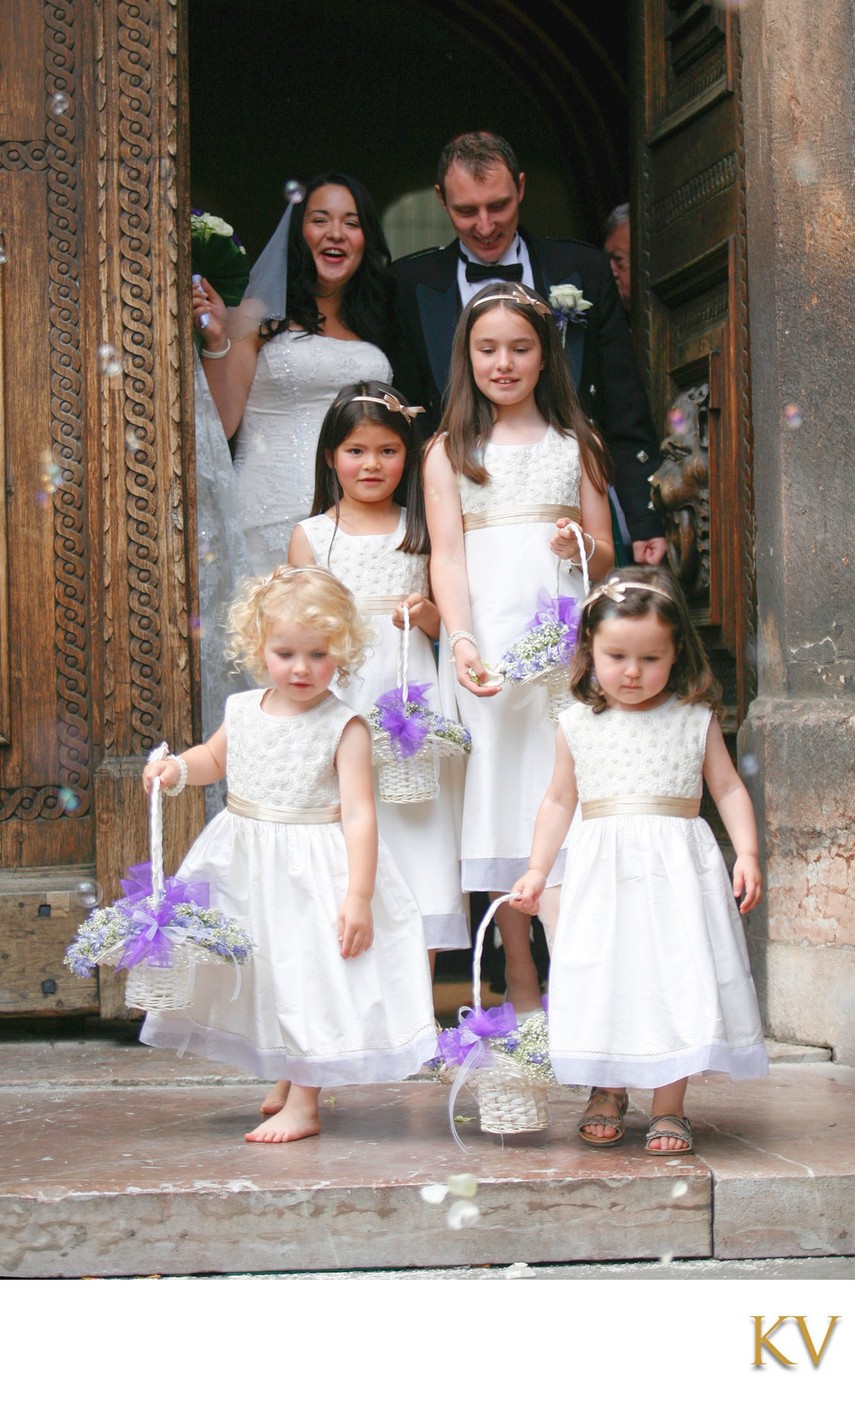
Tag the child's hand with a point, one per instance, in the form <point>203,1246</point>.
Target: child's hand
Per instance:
<point>747,880</point>
<point>565,542</point>
<point>472,672</point>
<point>423,615</point>
<point>168,770</point>
<point>355,926</point>
<point>525,895</point>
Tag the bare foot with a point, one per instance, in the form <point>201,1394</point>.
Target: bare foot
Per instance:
<point>285,1126</point>
<point>297,1119</point>
<point>276,1098</point>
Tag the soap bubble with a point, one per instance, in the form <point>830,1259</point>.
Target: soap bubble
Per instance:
<point>3,254</point>
<point>519,1271</point>
<point>666,1258</point>
<point>51,476</point>
<point>433,1194</point>
<point>804,168</point>
<point>679,1189</point>
<point>748,764</point>
<point>295,192</point>
<point>108,360</point>
<point>58,104</point>
<point>793,415</point>
<point>69,800</point>
<point>462,1215</point>
<point>464,1185</point>
<point>133,440</point>
<point>677,420</point>
<point>87,894</point>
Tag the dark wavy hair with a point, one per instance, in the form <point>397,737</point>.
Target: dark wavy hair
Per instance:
<point>469,414</point>
<point>691,679</point>
<point>340,421</point>
<point>366,305</point>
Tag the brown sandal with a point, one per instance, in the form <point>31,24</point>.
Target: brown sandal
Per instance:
<point>619,1101</point>
<point>678,1128</point>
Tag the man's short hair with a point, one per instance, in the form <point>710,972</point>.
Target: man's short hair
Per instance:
<point>477,152</point>
<point>618,216</point>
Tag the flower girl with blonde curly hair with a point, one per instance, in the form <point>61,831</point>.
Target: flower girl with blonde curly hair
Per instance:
<point>338,990</point>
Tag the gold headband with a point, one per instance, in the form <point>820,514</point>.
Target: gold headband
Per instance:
<point>392,403</point>
<point>616,589</point>
<point>519,296</point>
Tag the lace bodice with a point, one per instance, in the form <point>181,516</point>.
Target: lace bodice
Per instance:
<point>297,377</point>
<point>285,761</point>
<point>549,471</point>
<point>368,565</point>
<point>637,753</point>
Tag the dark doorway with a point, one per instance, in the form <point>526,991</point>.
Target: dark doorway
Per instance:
<point>283,90</point>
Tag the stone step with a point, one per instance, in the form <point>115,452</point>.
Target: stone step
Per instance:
<point>111,1167</point>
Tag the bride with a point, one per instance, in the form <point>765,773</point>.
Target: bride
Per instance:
<point>316,315</point>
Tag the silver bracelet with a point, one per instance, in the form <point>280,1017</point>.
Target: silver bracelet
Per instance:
<point>182,778</point>
<point>456,637</point>
<point>216,356</point>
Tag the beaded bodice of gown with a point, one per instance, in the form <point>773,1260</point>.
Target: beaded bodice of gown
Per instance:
<point>297,377</point>
<point>522,475</point>
<point>658,752</point>
<point>368,565</point>
<point>284,761</point>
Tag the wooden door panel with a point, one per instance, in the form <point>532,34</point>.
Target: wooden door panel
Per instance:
<point>690,263</point>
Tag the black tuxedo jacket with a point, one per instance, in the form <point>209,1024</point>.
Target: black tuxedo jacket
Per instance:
<point>599,354</point>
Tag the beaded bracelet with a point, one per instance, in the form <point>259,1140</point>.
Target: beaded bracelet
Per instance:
<point>182,778</point>
<point>456,637</point>
<point>215,356</point>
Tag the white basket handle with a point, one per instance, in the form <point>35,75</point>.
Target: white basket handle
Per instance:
<point>479,947</point>
<point>583,560</point>
<point>155,828</point>
<point>404,653</point>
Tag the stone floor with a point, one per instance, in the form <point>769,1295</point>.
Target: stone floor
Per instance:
<point>119,1160</point>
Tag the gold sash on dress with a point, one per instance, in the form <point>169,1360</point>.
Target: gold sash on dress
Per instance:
<point>681,806</point>
<point>274,814</point>
<point>509,516</point>
<point>379,604</point>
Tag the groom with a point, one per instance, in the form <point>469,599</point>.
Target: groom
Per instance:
<point>481,187</point>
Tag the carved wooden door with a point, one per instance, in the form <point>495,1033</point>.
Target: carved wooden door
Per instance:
<point>97,575</point>
<point>689,265</point>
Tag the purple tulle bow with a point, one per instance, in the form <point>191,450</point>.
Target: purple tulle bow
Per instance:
<point>476,1025</point>
<point>406,733</point>
<point>563,608</point>
<point>151,941</point>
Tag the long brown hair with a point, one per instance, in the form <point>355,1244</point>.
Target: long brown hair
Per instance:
<point>469,417</point>
<point>691,679</point>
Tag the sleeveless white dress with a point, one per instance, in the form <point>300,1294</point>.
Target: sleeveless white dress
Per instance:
<point>297,377</point>
<point>303,1012</point>
<point>513,738</point>
<point>423,838</point>
<point>649,980</point>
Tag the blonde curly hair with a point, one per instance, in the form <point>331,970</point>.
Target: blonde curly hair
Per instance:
<point>308,596</point>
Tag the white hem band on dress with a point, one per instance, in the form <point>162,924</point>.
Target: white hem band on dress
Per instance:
<point>649,1071</point>
<point>164,1030</point>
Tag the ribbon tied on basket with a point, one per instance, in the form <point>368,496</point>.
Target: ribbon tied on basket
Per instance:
<point>156,932</point>
<point>406,723</point>
<point>558,609</point>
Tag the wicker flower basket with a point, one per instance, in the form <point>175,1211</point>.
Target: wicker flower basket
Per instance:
<point>508,1101</point>
<point>406,780</point>
<point>162,987</point>
<point>559,697</point>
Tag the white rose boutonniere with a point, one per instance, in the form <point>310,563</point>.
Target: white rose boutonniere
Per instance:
<point>567,303</point>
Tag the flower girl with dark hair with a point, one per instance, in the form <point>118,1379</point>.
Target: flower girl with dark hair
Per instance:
<point>649,981</point>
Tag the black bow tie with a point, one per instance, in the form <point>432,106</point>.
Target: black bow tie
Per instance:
<point>492,272</point>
